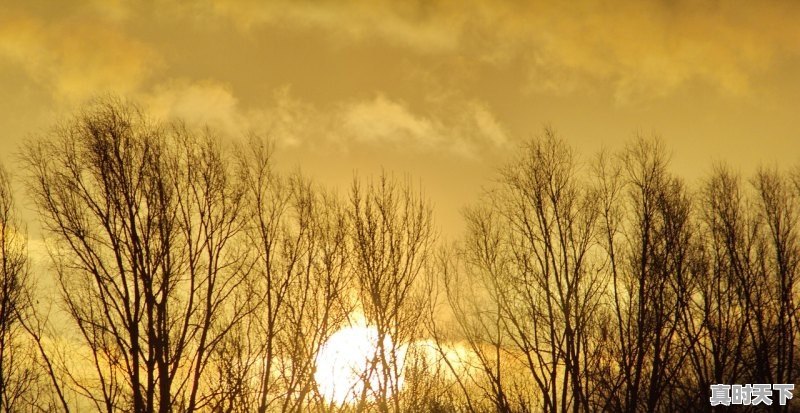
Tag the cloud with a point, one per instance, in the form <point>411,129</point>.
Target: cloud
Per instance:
<point>486,125</point>
<point>200,103</point>
<point>384,120</point>
<point>284,118</point>
<point>420,25</point>
<point>460,128</point>
<point>115,10</point>
<point>75,59</point>
<point>641,48</point>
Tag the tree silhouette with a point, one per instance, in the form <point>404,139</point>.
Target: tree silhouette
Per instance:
<point>144,217</point>
<point>195,276</point>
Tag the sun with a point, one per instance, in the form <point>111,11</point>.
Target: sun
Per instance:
<point>347,361</point>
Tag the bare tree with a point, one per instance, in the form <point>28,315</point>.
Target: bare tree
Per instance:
<point>530,246</point>
<point>199,278</point>
<point>746,312</point>
<point>775,354</point>
<point>298,234</point>
<point>648,240</point>
<point>18,372</point>
<point>392,237</point>
<point>145,217</point>
<point>720,315</point>
<point>473,295</point>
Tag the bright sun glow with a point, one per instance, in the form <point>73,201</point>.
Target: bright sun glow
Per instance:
<point>343,361</point>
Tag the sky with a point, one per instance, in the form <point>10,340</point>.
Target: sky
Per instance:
<point>441,91</point>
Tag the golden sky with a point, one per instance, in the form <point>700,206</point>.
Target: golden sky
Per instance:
<point>441,90</point>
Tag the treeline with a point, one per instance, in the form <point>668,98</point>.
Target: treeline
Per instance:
<point>617,288</point>
<point>193,276</point>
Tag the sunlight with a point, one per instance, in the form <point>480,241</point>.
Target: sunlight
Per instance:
<point>445,359</point>
<point>343,365</point>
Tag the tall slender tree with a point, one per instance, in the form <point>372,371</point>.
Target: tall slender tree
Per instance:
<point>145,218</point>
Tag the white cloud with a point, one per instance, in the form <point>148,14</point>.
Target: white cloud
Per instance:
<point>487,126</point>
<point>213,104</point>
<point>461,128</point>
<point>403,23</point>
<point>452,126</point>
<point>201,103</point>
<point>75,60</point>
<point>383,120</point>
<point>641,49</point>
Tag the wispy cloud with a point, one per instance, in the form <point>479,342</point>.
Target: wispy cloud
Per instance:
<point>284,118</point>
<point>460,128</point>
<point>642,48</point>
<point>384,120</point>
<point>425,26</point>
<point>75,59</point>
